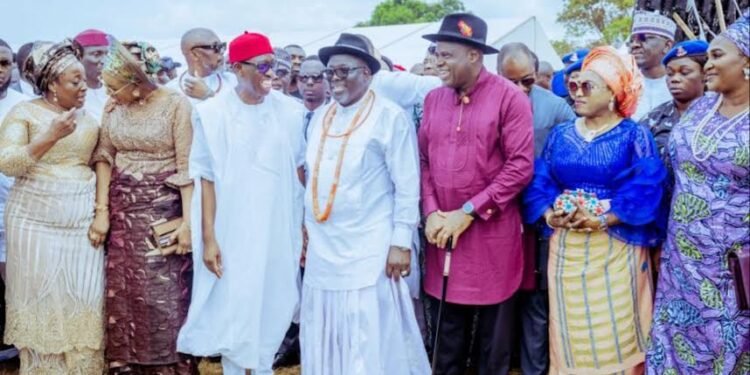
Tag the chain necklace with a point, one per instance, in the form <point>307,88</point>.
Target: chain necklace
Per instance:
<point>703,152</point>
<point>327,123</point>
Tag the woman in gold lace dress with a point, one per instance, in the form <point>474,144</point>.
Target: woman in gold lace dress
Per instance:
<point>55,280</point>
<point>142,176</point>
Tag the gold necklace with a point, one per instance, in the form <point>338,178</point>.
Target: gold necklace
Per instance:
<point>327,123</point>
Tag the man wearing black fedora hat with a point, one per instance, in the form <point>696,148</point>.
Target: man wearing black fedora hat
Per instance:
<point>476,150</point>
<point>361,214</point>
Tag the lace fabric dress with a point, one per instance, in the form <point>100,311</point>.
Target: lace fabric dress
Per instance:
<point>600,287</point>
<point>55,279</point>
<point>147,298</point>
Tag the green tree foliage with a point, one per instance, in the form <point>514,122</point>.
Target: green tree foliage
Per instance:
<point>595,22</point>
<point>398,12</point>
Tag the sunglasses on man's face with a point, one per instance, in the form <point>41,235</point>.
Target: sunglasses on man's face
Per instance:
<point>217,47</point>
<point>340,72</point>
<point>525,82</point>
<point>306,78</point>
<point>262,68</point>
<point>642,38</point>
<point>586,87</point>
<point>281,73</point>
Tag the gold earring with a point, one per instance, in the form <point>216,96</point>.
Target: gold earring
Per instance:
<point>136,93</point>
<point>747,74</point>
<point>54,96</point>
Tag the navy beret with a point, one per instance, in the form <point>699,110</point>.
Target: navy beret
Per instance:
<point>575,56</point>
<point>686,49</point>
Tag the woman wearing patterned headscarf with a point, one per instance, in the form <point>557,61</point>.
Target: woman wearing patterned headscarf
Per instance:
<point>142,177</point>
<point>598,185</point>
<point>698,327</point>
<point>55,281</point>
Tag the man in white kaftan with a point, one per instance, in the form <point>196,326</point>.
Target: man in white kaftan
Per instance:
<point>247,149</point>
<point>356,315</point>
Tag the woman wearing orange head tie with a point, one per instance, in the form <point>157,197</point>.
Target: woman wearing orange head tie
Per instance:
<point>598,185</point>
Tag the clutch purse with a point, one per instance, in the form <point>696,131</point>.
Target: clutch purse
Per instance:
<point>739,266</point>
<point>161,241</point>
<point>566,202</point>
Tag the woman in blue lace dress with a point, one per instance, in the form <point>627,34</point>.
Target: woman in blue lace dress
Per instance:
<point>598,184</point>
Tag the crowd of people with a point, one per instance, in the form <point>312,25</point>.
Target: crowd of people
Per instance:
<point>316,204</point>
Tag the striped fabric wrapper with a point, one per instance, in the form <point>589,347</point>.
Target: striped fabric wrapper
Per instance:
<point>600,293</point>
<point>55,278</point>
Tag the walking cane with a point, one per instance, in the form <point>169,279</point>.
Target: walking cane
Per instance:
<point>446,273</point>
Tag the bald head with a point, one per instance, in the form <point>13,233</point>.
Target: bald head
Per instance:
<point>544,75</point>
<point>197,36</point>
<point>517,63</point>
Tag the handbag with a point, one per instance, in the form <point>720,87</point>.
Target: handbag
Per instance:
<point>161,241</point>
<point>739,266</point>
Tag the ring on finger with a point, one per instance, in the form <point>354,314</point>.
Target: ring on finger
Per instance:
<point>404,273</point>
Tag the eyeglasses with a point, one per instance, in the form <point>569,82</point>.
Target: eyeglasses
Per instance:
<point>642,38</point>
<point>217,47</point>
<point>110,92</point>
<point>340,72</point>
<point>526,82</point>
<point>262,68</point>
<point>586,87</point>
<point>316,78</point>
<point>281,73</point>
<point>5,63</point>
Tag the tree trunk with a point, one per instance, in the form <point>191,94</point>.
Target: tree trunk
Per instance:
<point>706,10</point>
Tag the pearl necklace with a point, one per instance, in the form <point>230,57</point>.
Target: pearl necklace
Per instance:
<point>711,143</point>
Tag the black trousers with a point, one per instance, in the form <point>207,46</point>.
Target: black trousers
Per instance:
<point>534,310</point>
<point>493,339</point>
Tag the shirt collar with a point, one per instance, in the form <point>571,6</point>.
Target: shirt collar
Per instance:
<point>484,76</point>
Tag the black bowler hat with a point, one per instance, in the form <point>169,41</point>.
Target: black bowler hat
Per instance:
<point>463,28</point>
<point>350,44</point>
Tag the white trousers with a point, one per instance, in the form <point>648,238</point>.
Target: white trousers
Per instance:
<point>231,368</point>
<point>369,331</point>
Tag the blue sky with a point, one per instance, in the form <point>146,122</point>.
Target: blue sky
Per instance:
<point>161,19</point>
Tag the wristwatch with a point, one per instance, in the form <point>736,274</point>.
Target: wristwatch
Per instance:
<point>468,208</point>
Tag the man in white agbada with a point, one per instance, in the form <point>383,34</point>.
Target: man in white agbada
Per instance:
<point>361,211</point>
<point>247,151</point>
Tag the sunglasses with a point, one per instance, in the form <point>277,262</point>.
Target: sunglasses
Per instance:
<point>526,82</point>
<point>216,47</point>
<point>110,92</point>
<point>586,87</point>
<point>642,38</point>
<point>281,73</point>
<point>340,72</point>
<point>316,78</point>
<point>262,68</point>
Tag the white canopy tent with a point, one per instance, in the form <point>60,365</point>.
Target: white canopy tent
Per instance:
<point>404,43</point>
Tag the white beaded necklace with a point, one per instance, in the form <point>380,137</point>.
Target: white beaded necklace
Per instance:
<point>711,140</point>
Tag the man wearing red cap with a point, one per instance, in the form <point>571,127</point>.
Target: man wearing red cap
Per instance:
<point>247,154</point>
<point>95,45</point>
